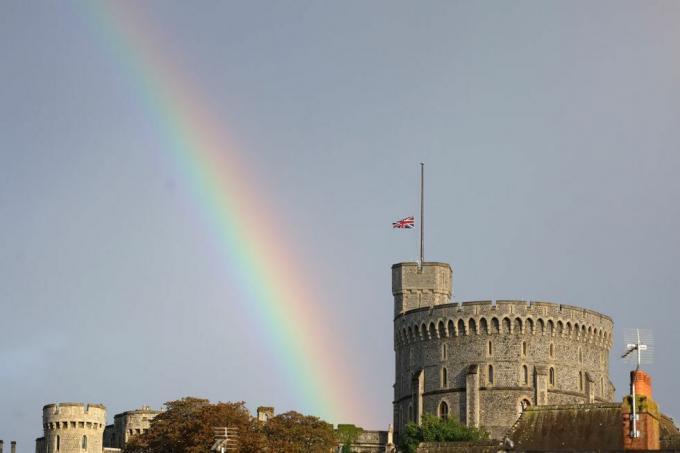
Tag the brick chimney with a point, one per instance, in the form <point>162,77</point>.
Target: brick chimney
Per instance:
<point>648,433</point>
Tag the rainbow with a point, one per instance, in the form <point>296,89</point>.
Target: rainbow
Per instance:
<point>241,220</point>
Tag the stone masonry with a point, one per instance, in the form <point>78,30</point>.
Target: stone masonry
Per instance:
<point>483,362</point>
<point>72,428</point>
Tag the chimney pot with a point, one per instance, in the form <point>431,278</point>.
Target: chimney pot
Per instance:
<point>642,383</point>
<point>13,446</point>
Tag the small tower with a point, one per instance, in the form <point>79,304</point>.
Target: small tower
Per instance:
<point>415,286</point>
<point>264,413</point>
<point>74,427</point>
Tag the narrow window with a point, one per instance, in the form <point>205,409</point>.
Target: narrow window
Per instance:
<point>524,404</point>
<point>84,442</point>
<point>445,379</point>
<point>58,443</point>
<point>443,410</point>
<point>490,348</point>
<point>552,350</point>
<point>410,413</point>
<point>490,374</point>
<point>580,355</point>
<point>525,375</point>
<point>602,386</point>
<point>524,348</point>
<point>580,380</point>
<point>445,352</point>
<point>552,376</point>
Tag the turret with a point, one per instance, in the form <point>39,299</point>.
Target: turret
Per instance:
<point>415,286</point>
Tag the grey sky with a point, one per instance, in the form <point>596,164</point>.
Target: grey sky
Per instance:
<point>549,131</point>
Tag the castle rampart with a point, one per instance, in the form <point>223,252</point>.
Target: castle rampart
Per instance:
<point>73,428</point>
<point>481,361</point>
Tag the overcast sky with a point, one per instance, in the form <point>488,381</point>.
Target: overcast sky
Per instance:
<point>552,148</point>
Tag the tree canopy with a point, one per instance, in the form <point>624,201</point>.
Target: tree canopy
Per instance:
<point>186,426</point>
<point>435,429</point>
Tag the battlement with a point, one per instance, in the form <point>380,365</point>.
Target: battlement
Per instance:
<point>143,411</point>
<point>417,286</point>
<point>503,316</point>
<point>74,416</point>
<point>510,306</point>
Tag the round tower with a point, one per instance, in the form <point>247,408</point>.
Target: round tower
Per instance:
<point>482,362</point>
<point>74,427</point>
<point>131,423</point>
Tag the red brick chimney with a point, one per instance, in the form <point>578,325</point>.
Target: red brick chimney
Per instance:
<point>647,433</point>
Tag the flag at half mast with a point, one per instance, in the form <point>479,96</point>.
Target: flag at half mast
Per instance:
<point>408,222</point>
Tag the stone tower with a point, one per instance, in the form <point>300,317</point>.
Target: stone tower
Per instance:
<point>73,428</point>
<point>483,362</point>
<point>128,425</point>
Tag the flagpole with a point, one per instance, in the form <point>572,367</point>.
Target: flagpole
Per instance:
<point>422,212</point>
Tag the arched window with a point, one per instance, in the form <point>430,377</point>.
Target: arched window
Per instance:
<point>489,349</point>
<point>552,376</point>
<point>525,375</point>
<point>445,352</point>
<point>445,378</point>
<point>524,348</point>
<point>472,326</point>
<point>490,375</point>
<point>84,443</point>
<point>443,410</point>
<point>494,325</point>
<point>506,325</point>
<point>461,327</point>
<point>483,326</point>
<point>58,443</point>
<point>552,350</point>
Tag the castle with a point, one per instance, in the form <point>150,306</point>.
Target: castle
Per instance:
<point>483,362</point>
<point>77,427</point>
<point>487,364</point>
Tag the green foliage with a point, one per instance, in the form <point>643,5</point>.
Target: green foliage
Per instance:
<point>348,434</point>
<point>187,427</point>
<point>292,432</point>
<point>434,429</point>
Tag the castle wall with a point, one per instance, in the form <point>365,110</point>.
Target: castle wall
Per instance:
<point>130,424</point>
<point>73,428</point>
<point>561,346</point>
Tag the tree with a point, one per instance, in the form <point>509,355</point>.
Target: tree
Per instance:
<point>435,429</point>
<point>187,427</point>
<point>292,432</point>
<point>347,435</point>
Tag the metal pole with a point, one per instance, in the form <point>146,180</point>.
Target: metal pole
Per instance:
<point>422,212</point>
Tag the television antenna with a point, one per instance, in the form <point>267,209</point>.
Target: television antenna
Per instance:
<point>639,349</point>
<point>641,343</point>
<point>226,439</point>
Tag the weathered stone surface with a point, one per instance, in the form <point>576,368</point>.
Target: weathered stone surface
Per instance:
<point>73,428</point>
<point>442,340</point>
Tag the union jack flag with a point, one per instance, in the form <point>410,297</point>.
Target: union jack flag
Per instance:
<point>408,222</point>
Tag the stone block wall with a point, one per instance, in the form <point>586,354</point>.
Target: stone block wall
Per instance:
<point>73,428</point>
<point>526,353</point>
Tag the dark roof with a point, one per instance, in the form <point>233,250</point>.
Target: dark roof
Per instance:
<point>575,426</point>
